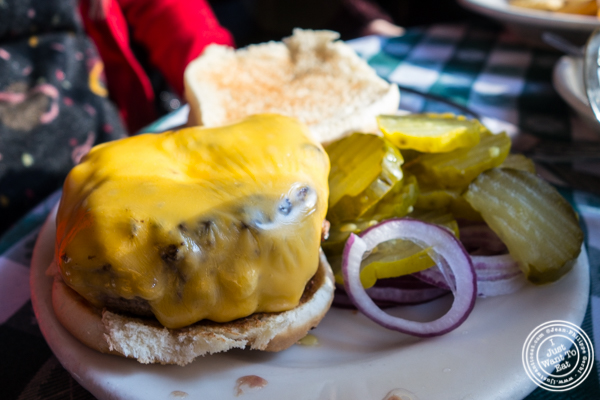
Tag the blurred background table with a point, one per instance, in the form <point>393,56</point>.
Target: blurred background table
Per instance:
<point>480,68</point>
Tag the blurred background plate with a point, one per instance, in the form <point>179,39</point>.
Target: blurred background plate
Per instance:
<point>530,24</point>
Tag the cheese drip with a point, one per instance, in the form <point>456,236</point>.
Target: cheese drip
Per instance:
<point>196,224</point>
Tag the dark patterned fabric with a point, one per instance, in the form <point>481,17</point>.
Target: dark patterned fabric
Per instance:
<point>19,18</point>
<point>53,104</point>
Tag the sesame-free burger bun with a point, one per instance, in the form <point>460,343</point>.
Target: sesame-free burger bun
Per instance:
<point>310,75</point>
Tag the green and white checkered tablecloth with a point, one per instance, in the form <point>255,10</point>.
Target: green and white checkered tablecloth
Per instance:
<point>480,68</point>
<point>487,71</point>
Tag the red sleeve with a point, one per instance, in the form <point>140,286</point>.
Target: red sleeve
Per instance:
<point>174,32</point>
<point>128,85</point>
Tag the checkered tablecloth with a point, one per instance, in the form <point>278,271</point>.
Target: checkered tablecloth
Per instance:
<point>480,68</point>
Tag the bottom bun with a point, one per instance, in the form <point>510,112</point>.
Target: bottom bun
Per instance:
<point>148,341</point>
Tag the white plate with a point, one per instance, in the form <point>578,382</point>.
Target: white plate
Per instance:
<point>356,359</point>
<point>530,24</point>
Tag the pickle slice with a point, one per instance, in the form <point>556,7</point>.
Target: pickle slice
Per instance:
<point>395,257</point>
<point>339,233</point>
<point>401,257</point>
<point>539,227</point>
<point>456,169</point>
<point>430,133</point>
<point>392,259</point>
<point>460,208</point>
<point>355,163</point>
<point>519,161</point>
<point>410,156</point>
<point>451,199</point>
<point>397,202</point>
<point>432,198</point>
<point>388,260</point>
<point>364,168</point>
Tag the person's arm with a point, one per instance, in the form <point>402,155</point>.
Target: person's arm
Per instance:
<point>174,32</point>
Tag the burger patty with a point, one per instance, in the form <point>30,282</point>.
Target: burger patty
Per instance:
<point>140,307</point>
<point>136,306</point>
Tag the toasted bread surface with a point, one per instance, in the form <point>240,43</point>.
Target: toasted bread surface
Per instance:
<point>311,76</point>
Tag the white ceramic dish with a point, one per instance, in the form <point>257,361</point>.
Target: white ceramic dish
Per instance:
<point>567,79</point>
<point>355,359</point>
<point>502,11</point>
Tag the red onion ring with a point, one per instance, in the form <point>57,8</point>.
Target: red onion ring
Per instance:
<point>496,275</point>
<point>444,246</point>
<point>390,292</point>
<point>402,282</point>
<point>499,262</point>
<point>341,300</point>
<point>391,297</point>
<point>433,276</point>
<point>405,296</point>
<point>501,287</point>
<point>481,239</point>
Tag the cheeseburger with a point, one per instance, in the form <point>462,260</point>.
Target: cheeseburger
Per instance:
<point>171,246</point>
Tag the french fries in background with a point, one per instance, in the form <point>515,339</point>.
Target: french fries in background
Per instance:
<point>581,7</point>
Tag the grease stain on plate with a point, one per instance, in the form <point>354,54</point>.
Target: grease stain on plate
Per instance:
<point>249,382</point>
<point>400,394</point>
<point>309,340</point>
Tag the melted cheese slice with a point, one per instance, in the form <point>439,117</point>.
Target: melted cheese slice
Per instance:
<point>196,224</point>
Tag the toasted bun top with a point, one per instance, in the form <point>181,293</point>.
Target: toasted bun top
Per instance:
<point>310,75</point>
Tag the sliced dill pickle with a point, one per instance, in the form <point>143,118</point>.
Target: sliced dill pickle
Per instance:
<point>430,133</point>
<point>395,257</point>
<point>538,226</point>
<point>431,198</point>
<point>519,161</point>
<point>392,259</point>
<point>397,202</point>
<point>410,156</point>
<point>388,260</point>
<point>451,199</point>
<point>340,232</point>
<point>355,163</point>
<point>400,257</point>
<point>460,208</point>
<point>364,168</point>
<point>456,169</point>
